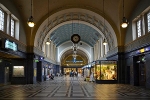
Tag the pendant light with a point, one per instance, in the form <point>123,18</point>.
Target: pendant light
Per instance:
<point>48,40</point>
<point>124,20</point>
<point>104,41</point>
<point>30,20</point>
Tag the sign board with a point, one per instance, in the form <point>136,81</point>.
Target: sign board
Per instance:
<point>10,45</point>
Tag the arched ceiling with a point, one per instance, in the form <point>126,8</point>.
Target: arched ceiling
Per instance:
<point>64,33</point>
<point>68,56</point>
<point>113,11</point>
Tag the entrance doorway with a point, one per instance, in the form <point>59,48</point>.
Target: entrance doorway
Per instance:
<point>68,70</point>
<point>140,71</point>
<point>75,69</point>
<point>7,80</point>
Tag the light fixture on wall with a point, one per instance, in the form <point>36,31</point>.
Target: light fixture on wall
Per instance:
<point>124,20</point>
<point>30,20</point>
<point>104,42</point>
<point>48,42</point>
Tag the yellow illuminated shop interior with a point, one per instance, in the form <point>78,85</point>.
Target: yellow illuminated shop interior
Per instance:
<point>105,71</point>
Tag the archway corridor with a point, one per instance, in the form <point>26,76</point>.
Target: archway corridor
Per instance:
<point>72,88</point>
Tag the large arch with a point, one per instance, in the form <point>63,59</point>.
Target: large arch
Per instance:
<point>66,16</point>
<point>80,54</point>
<point>86,53</point>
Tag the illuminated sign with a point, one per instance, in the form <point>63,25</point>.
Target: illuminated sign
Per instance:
<point>10,45</point>
<point>147,49</point>
<point>36,60</point>
<point>143,50</point>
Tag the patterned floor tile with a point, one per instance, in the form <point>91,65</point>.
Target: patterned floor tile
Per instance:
<point>66,88</point>
<point>60,94</point>
<point>78,95</point>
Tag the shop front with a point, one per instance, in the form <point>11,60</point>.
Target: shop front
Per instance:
<point>105,72</point>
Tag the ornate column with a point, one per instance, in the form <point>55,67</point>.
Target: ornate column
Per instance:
<point>99,49</point>
<point>51,50</point>
<point>102,48</point>
<point>95,52</point>
<point>48,51</point>
<point>105,47</point>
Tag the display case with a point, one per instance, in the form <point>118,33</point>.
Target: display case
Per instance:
<point>105,71</point>
<point>18,71</point>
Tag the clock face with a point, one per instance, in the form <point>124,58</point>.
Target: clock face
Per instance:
<point>75,38</point>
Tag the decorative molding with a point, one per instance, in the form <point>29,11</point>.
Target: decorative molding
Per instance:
<point>50,60</point>
<point>112,51</point>
<point>134,45</point>
<point>38,51</point>
<point>21,47</point>
<point>76,16</point>
<point>138,43</point>
<point>115,51</point>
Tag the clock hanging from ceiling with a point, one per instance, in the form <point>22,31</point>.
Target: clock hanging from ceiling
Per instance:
<point>75,38</point>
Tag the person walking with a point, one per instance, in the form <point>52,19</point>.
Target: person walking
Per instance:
<point>92,77</point>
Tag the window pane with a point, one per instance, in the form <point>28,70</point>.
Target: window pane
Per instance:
<point>139,28</point>
<point>1,20</point>
<point>12,27</point>
<point>148,21</point>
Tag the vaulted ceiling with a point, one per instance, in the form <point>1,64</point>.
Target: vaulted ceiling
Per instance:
<point>64,33</point>
<point>112,9</point>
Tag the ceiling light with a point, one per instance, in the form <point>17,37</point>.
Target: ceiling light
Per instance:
<point>124,23</point>
<point>48,42</point>
<point>104,42</point>
<point>124,20</point>
<point>30,20</point>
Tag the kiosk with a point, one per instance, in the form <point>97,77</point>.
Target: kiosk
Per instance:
<point>105,72</point>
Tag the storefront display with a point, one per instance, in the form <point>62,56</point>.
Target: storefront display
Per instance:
<point>18,71</point>
<point>105,71</point>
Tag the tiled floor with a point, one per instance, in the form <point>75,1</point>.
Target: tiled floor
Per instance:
<point>66,88</point>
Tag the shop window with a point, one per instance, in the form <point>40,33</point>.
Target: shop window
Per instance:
<point>1,20</point>
<point>18,71</point>
<point>105,70</point>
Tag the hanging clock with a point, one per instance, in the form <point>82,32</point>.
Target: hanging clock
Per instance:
<point>75,38</point>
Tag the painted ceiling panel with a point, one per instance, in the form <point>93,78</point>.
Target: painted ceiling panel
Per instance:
<point>64,33</point>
